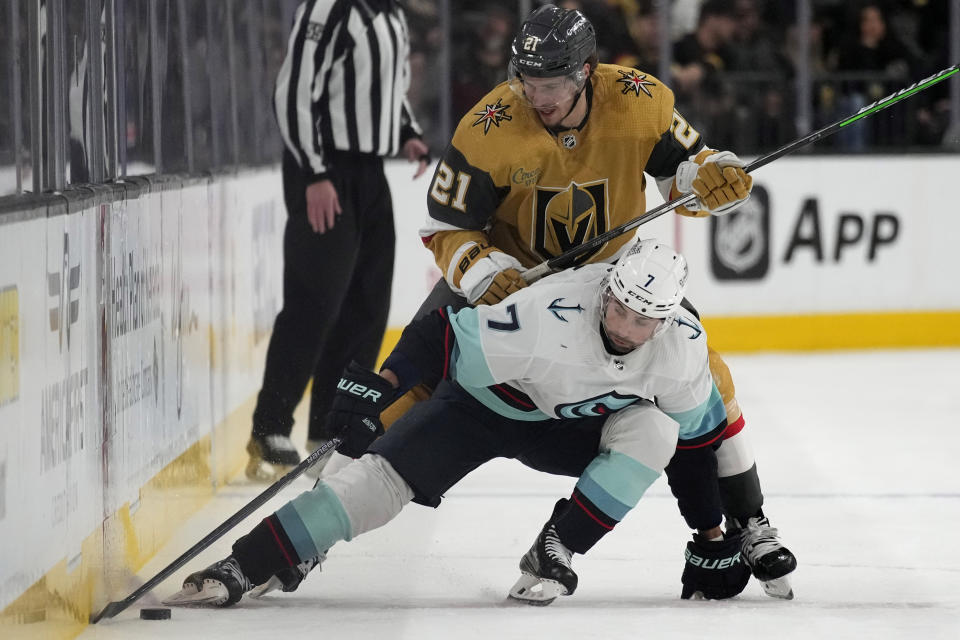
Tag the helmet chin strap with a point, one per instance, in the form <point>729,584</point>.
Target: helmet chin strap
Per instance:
<point>573,105</point>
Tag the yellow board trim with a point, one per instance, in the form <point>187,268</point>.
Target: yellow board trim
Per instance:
<point>59,604</point>
<point>834,331</point>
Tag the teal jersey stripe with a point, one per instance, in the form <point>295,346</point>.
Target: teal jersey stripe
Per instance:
<point>470,368</point>
<point>471,364</point>
<point>703,419</point>
<point>615,482</point>
<point>296,530</point>
<point>314,521</point>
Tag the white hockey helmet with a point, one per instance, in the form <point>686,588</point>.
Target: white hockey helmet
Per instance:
<point>650,279</point>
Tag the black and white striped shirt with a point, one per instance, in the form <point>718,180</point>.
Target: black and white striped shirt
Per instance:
<point>343,84</point>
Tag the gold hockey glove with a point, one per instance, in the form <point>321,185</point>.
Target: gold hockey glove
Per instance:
<point>503,284</point>
<point>718,180</point>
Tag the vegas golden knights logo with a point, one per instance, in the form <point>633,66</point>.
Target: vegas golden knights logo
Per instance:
<point>566,218</point>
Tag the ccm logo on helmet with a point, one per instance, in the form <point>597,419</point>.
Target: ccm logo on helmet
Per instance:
<point>703,563</point>
<point>358,389</point>
<point>576,26</point>
<point>634,294</point>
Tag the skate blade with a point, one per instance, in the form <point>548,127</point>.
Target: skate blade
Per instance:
<point>533,590</point>
<point>213,594</point>
<point>778,588</point>
<point>271,585</point>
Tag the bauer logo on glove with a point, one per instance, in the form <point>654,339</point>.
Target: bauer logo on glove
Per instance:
<point>355,414</point>
<point>710,563</point>
<point>713,569</point>
<point>358,389</point>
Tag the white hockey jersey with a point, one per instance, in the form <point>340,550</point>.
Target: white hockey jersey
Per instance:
<point>544,342</point>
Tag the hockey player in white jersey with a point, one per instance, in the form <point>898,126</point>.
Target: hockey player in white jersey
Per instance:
<point>597,373</point>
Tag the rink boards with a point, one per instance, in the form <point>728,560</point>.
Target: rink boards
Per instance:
<point>134,321</point>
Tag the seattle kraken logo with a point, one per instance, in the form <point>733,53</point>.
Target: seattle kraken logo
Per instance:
<point>597,406</point>
<point>683,322</point>
<point>555,308</point>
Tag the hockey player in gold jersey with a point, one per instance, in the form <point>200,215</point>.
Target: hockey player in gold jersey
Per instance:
<point>557,155</point>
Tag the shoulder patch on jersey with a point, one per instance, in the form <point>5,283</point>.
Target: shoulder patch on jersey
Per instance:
<point>696,331</point>
<point>555,308</point>
<point>635,82</point>
<point>492,114</point>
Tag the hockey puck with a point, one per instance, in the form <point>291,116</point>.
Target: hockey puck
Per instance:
<point>159,613</point>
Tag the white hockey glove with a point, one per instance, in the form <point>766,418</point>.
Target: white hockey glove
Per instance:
<point>720,183</point>
<point>485,275</point>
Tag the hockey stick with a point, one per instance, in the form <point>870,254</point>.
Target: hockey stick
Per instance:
<point>567,258</point>
<point>114,608</point>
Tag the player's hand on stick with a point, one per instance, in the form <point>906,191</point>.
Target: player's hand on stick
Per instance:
<point>355,414</point>
<point>713,570</point>
<point>486,275</point>
<point>323,205</point>
<point>720,183</point>
<point>503,284</point>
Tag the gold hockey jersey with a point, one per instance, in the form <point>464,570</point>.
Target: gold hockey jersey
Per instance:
<point>507,181</point>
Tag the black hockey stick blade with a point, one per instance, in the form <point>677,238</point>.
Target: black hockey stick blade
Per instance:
<point>568,259</point>
<point>114,608</point>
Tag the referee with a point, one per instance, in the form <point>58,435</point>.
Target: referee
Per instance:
<point>341,104</point>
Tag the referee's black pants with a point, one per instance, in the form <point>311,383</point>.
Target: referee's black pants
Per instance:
<point>336,292</point>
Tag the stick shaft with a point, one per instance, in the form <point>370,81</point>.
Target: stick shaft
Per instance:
<point>568,258</point>
<point>114,608</point>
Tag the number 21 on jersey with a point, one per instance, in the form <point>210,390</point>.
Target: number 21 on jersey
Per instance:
<point>443,184</point>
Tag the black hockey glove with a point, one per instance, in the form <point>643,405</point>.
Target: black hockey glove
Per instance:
<point>355,414</point>
<point>715,570</point>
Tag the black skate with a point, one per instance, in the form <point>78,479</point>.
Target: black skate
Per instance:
<point>770,561</point>
<point>288,580</point>
<point>271,456</point>
<point>222,584</point>
<point>545,571</point>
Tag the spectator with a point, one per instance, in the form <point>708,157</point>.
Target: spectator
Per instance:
<point>699,59</point>
<point>483,61</point>
<point>879,63</point>
<point>761,81</point>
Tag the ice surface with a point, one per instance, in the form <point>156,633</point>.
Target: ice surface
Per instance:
<point>857,453</point>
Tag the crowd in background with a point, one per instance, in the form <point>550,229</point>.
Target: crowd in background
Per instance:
<point>188,86</point>
<point>733,63</point>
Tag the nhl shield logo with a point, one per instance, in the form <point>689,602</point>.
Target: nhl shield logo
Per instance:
<point>740,240</point>
<point>566,218</point>
<point>568,140</point>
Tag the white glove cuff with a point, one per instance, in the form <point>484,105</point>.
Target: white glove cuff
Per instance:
<point>686,174</point>
<point>475,282</point>
<point>725,159</point>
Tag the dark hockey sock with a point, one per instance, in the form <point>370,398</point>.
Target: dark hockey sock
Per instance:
<point>741,495</point>
<point>265,551</point>
<point>580,523</point>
